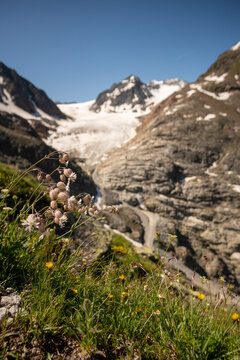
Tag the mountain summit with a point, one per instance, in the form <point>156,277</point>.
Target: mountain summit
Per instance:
<point>19,96</point>
<point>132,94</point>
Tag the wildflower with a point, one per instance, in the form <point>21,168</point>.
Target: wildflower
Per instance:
<point>201,296</point>
<point>31,222</point>
<point>49,264</point>
<point>63,197</point>
<point>5,191</point>
<point>172,237</point>
<point>84,263</point>
<point>146,288</point>
<point>138,309</point>
<point>7,208</point>
<point>73,177</point>
<point>221,279</point>
<point>48,177</point>
<point>110,296</point>
<point>235,316</point>
<point>54,194</point>
<point>122,277</point>
<point>62,178</point>
<point>75,290</point>
<point>61,185</point>
<point>206,310</point>
<point>230,287</point>
<point>124,294</point>
<point>161,296</point>
<point>54,205</point>
<point>157,312</point>
<point>67,172</point>
<point>63,220</point>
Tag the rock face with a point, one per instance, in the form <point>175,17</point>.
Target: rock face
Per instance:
<point>184,164</point>
<point>21,146</point>
<point>132,94</point>
<point>15,90</point>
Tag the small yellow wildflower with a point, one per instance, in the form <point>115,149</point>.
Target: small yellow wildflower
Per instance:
<point>146,288</point>
<point>49,264</point>
<point>110,296</point>
<point>235,316</point>
<point>206,310</point>
<point>201,296</point>
<point>84,263</point>
<point>75,290</point>
<point>124,294</point>
<point>122,277</point>
<point>138,309</point>
<point>221,279</point>
<point>157,312</point>
<point>230,287</point>
<point>161,296</point>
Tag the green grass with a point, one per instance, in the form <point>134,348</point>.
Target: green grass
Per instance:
<point>111,304</point>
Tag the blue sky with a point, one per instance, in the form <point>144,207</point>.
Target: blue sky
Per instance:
<point>74,49</point>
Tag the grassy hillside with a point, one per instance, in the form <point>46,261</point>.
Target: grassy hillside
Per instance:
<point>119,306</point>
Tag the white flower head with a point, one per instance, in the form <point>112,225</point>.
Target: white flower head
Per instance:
<point>63,220</point>
<point>73,177</point>
<point>31,222</point>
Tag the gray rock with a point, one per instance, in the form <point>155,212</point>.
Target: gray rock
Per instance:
<point>10,300</point>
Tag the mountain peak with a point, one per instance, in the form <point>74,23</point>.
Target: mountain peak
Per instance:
<point>131,94</point>
<point>18,95</point>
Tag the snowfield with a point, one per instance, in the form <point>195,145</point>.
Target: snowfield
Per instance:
<point>89,135</point>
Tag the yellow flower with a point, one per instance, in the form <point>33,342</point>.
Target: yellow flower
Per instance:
<point>161,296</point>
<point>75,290</point>
<point>49,264</point>
<point>235,316</point>
<point>84,263</point>
<point>206,310</point>
<point>138,309</point>
<point>157,312</point>
<point>201,296</point>
<point>122,277</point>
<point>124,294</point>
<point>110,296</point>
<point>146,288</point>
<point>221,279</point>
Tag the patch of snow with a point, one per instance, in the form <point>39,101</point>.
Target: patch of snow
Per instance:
<point>221,96</point>
<point>207,106</point>
<point>190,178</point>
<point>236,188</point>
<point>236,46</point>
<point>215,78</point>
<point>209,117</point>
<point>190,93</point>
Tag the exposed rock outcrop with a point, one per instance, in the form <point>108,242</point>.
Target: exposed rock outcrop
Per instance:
<point>184,164</point>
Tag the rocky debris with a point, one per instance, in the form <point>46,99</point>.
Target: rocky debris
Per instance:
<point>20,145</point>
<point>184,165</point>
<point>10,303</point>
<point>24,94</point>
<point>132,93</point>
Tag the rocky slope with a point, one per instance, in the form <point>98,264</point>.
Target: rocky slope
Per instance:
<point>21,97</point>
<point>132,94</point>
<point>21,146</point>
<point>184,165</point>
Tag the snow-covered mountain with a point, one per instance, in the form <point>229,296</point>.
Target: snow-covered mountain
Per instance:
<point>98,126</point>
<point>19,96</point>
<point>132,94</point>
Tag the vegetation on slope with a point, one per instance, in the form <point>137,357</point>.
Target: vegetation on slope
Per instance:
<point>119,306</point>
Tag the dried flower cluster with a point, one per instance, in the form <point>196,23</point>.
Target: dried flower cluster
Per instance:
<point>61,201</point>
